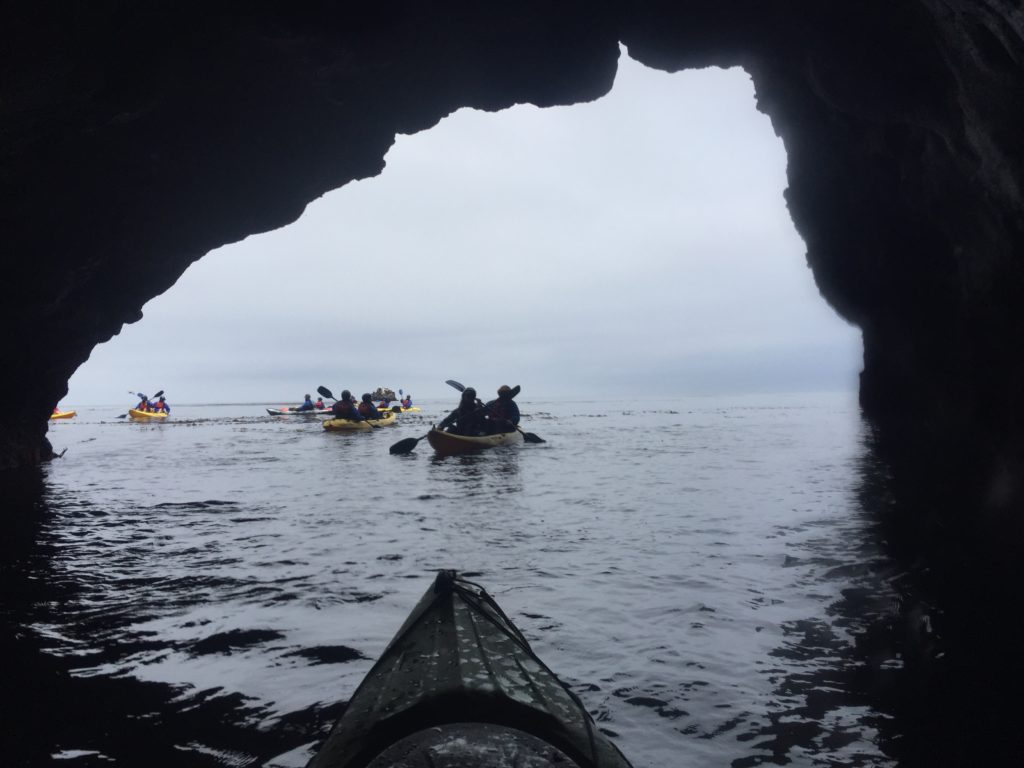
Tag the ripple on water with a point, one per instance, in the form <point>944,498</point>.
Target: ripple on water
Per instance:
<point>680,566</point>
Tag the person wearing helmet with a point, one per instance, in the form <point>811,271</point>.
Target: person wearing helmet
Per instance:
<point>407,402</point>
<point>144,404</point>
<point>161,406</point>
<point>346,408</point>
<point>467,418</point>
<point>503,413</point>
<point>307,404</point>
<point>367,409</point>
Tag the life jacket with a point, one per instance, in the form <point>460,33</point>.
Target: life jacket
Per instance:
<point>319,404</point>
<point>345,409</point>
<point>365,409</point>
<point>143,406</point>
<point>407,403</point>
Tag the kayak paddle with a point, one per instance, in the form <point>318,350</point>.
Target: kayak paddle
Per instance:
<point>405,445</point>
<point>326,393</point>
<point>529,437</point>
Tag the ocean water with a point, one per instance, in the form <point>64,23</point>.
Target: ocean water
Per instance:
<point>703,572</point>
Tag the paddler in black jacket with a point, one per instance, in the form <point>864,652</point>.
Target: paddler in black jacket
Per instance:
<point>468,418</point>
<point>503,413</point>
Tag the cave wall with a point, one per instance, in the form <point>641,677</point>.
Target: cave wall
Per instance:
<point>136,138</point>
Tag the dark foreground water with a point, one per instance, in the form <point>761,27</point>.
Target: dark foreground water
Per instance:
<point>705,573</point>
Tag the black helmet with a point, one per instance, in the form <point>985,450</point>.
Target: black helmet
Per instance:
<point>367,398</point>
<point>346,395</point>
<point>469,394</point>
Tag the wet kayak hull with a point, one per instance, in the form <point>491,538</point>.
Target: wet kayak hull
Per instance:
<point>146,415</point>
<point>297,412</point>
<point>448,444</point>
<point>62,415</point>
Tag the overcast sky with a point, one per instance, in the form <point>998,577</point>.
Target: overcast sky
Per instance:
<point>636,244</point>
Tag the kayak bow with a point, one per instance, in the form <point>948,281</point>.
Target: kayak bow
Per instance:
<point>62,415</point>
<point>460,686</point>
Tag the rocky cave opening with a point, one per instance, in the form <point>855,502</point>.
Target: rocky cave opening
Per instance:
<point>157,133</point>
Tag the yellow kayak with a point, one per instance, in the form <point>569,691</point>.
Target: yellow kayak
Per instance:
<point>348,425</point>
<point>146,415</point>
<point>391,409</point>
<point>62,415</point>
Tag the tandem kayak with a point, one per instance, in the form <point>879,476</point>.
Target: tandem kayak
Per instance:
<point>146,415</point>
<point>392,408</point>
<point>448,444</point>
<point>286,411</point>
<point>62,415</point>
<point>459,685</point>
<point>348,425</point>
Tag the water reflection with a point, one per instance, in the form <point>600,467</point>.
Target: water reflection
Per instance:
<point>488,472</point>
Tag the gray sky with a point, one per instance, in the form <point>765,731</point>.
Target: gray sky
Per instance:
<point>640,242</point>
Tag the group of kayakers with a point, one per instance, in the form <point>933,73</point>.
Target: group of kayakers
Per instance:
<point>474,417</point>
<point>152,406</point>
<point>365,408</point>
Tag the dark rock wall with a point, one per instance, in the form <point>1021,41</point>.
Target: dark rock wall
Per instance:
<point>137,137</point>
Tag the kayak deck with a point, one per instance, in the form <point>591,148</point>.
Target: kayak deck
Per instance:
<point>460,678</point>
<point>449,444</point>
<point>348,425</point>
<point>62,415</point>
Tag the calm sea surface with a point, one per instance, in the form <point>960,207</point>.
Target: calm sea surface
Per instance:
<point>698,570</point>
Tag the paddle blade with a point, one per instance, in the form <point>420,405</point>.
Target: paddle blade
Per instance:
<point>326,392</point>
<point>404,446</point>
<point>158,394</point>
<point>123,416</point>
<point>453,383</point>
<point>529,437</point>
<point>396,409</point>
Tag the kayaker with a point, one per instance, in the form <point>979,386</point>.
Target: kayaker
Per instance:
<point>307,404</point>
<point>319,404</point>
<point>385,404</point>
<point>503,413</point>
<point>407,401</point>
<point>161,406</point>
<point>346,408</point>
<point>467,418</point>
<point>367,409</point>
<point>143,403</point>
